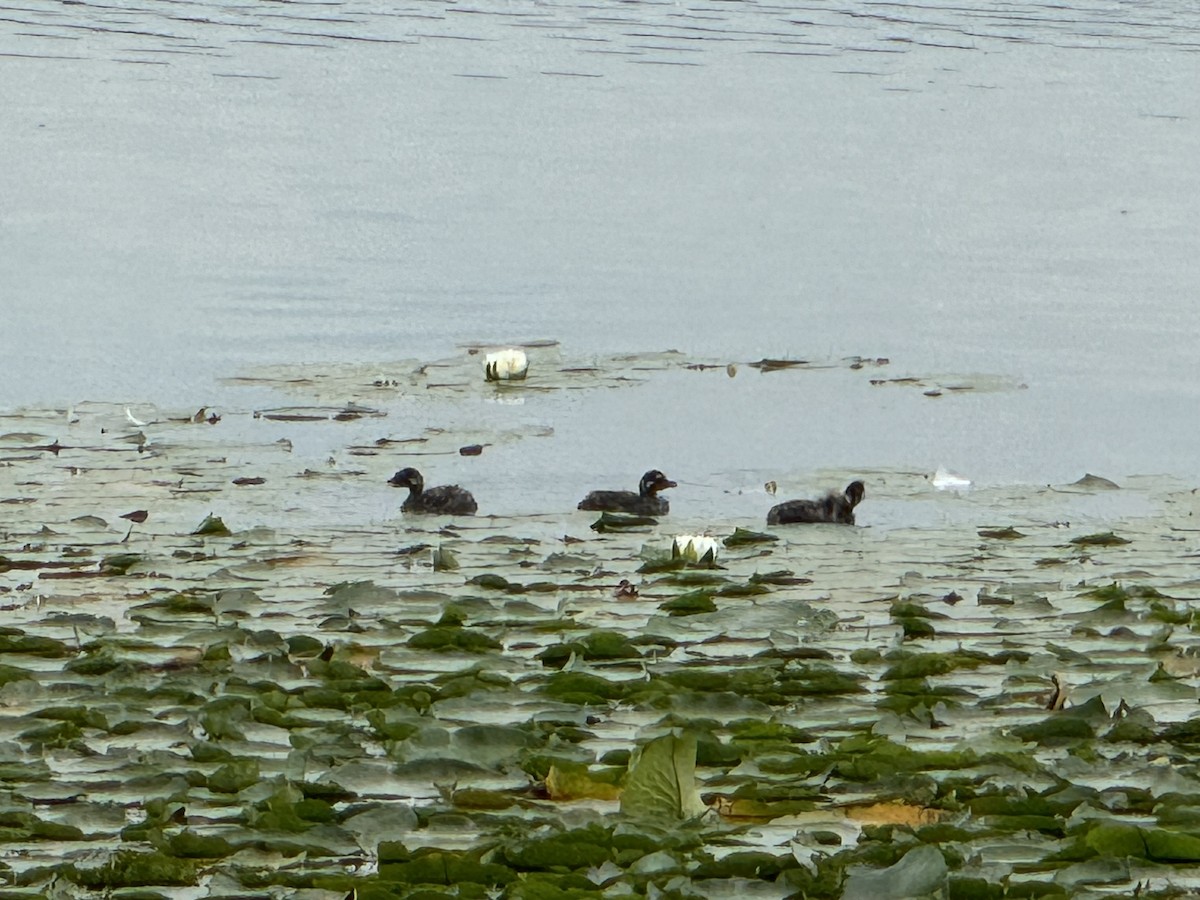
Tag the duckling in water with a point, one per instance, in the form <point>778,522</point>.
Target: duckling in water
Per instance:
<point>833,507</point>
<point>625,590</point>
<point>446,500</point>
<point>645,502</point>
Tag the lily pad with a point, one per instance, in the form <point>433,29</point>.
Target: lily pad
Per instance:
<point>1008,533</point>
<point>610,522</point>
<point>1100,539</point>
<point>689,604</point>
<point>212,526</point>
<point>743,537</point>
<point>661,786</point>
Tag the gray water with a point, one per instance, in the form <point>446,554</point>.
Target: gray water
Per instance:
<point>1009,191</point>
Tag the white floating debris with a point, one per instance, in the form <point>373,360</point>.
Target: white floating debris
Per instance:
<point>696,548</point>
<point>134,420</point>
<point>506,365</point>
<point>948,481</point>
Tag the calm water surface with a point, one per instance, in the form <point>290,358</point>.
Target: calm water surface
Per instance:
<point>191,189</point>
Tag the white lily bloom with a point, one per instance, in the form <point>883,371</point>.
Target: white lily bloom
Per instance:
<point>695,548</point>
<point>505,365</point>
<point>944,480</point>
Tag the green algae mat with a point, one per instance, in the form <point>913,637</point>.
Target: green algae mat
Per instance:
<point>215,683</point>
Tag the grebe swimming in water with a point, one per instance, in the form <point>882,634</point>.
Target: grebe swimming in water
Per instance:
<point>645,502</point>
<point>445,500</point>
<point>833,507</point>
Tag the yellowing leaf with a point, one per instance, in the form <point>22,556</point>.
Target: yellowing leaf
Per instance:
<point>894,814</point>
<point>569,784</point>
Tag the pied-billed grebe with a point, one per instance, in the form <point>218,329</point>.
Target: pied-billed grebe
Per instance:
<point>833,507</point>
<point>645,502</point>
<point>446,500</point>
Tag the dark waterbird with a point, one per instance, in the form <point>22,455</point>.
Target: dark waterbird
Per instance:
<point>444,500</point>
<point>833,507</point>
<point>645,502</point>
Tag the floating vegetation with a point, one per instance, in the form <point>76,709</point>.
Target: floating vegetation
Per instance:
<point>743,537</point>
<point>1115,592</point>
<point>1102,539</point>
<point>689,604</point>
<point>937,386</point>
<point>662,781</point>
<point>1090,482</point>
<point>444,559</point>
<point>774,365</point>
<point>609,522</point>
<point>347,413</point>
<point>1008,533</point>
<point>405,708</point>
<point>212,526</point>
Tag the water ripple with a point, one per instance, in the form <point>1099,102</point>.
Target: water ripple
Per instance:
<point>636,32</point>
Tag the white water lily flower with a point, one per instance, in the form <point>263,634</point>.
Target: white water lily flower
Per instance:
<point>697,548</point>
<point>944,480</point>
<point>505,365</point>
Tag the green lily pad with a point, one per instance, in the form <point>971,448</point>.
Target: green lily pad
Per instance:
<point>689,604</point>
<point>662,781</point>
<point>453,638</point>
<point>129,868</point>
<point>444,560</point>
<point>1008,533</point>
<point>1101,539</point>
<point>663,564</point>
<point>779,578</point>
<point>190,845</point>
<point>1055,730</point>
<point>212,526</point>
<point>119,563</point>
<point>234,776</point>
<point>570,849</point>
<point>610,522</point>
<point>742,537</point>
